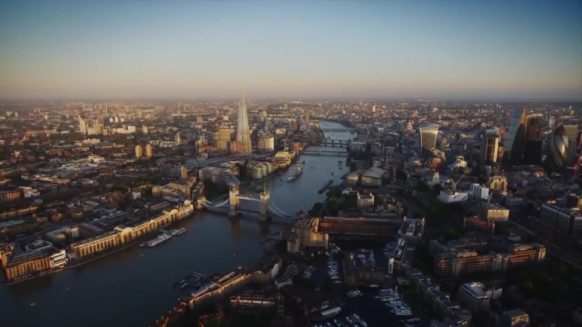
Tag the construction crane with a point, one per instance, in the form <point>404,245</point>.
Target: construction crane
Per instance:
<point>457,182</point>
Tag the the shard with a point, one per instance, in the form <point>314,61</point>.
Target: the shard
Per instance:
<point>243,133</point>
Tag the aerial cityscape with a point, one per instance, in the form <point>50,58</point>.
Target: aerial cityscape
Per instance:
<point>256,163</point>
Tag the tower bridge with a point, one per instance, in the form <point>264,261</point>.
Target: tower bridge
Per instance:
<point>245,204</point>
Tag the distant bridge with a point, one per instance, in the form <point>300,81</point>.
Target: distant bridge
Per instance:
<point>333,130</point>
<point>324,152</point>
<point>334,143</point>
<point>253,205</point>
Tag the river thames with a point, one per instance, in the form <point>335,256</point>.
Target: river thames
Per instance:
<point>135,286</point>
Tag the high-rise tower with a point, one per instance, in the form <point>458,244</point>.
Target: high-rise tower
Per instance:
<point>515,142</point>
<point>428,138</point>
<point>243,133</point>
<point>489,146</point>
<point>558,150</point>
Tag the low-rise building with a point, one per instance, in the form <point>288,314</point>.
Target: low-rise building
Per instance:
<point>497,183</point>
<point>353,178</point>
<point>27,264</point>
<point>365,200</point>
<point>479,192</point>
<point>373,177</point>
<point>462,261</point>
<point>304,234</point>
<point>514,318</point>
<point>492,212</point>
<point>476,296</point>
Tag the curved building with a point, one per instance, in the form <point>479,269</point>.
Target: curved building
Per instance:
<point>428,137</point>
<point>558,149</point>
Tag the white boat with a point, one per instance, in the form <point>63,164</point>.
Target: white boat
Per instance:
<point>158,240</point>
<point>295,173</point>
<point>176,232</point>
<point>331,312</point>
<point>403,312</point>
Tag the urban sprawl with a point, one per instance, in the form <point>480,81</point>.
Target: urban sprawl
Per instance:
<point>447,213</point>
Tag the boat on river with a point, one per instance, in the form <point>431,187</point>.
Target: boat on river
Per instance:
<point>159,239</point>
<point>296,171</point>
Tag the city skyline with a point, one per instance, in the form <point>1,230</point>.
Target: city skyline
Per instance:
<point>442,50</point>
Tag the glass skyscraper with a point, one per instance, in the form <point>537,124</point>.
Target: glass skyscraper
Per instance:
<point>243,133</point>
<point>428,137</point>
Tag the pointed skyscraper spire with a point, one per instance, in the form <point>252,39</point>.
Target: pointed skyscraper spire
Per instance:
<point>243,99</point>
<point>243,134</point>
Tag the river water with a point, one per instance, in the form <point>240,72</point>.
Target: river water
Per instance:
<point>135,286</point>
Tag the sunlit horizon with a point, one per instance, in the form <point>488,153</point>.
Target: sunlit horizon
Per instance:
<point>515,50</point>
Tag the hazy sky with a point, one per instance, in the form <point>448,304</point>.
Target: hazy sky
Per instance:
<point>145,48</point>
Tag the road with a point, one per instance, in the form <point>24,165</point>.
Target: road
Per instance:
<point>553,250</point>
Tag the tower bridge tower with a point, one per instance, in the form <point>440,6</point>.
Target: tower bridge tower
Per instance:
<point>265,197</point>
<point>233,200</point>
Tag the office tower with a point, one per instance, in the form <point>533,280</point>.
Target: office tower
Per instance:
<point>533,140</point>
<point>222,138</point>
<point>183,172</point>
<point>558,150</point>
<point>428,137</point>
<point>571,131</point>
<point>149,149</point>
<point>138,151</point>
<point>293,126</point>
<point>243,133</point>
<point>515,141</point>
<point>489,147</point>
<point>266,143</point>
<point>178,138</point>
<point>82,125</point>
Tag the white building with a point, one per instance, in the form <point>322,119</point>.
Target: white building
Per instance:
<point>475,296</point>
<point>479,192</point>
<point>446,196</point>
<point>365,200</point>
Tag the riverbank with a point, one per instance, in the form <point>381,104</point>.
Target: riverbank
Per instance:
<point>134,287</point>
<point>81,262</point>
